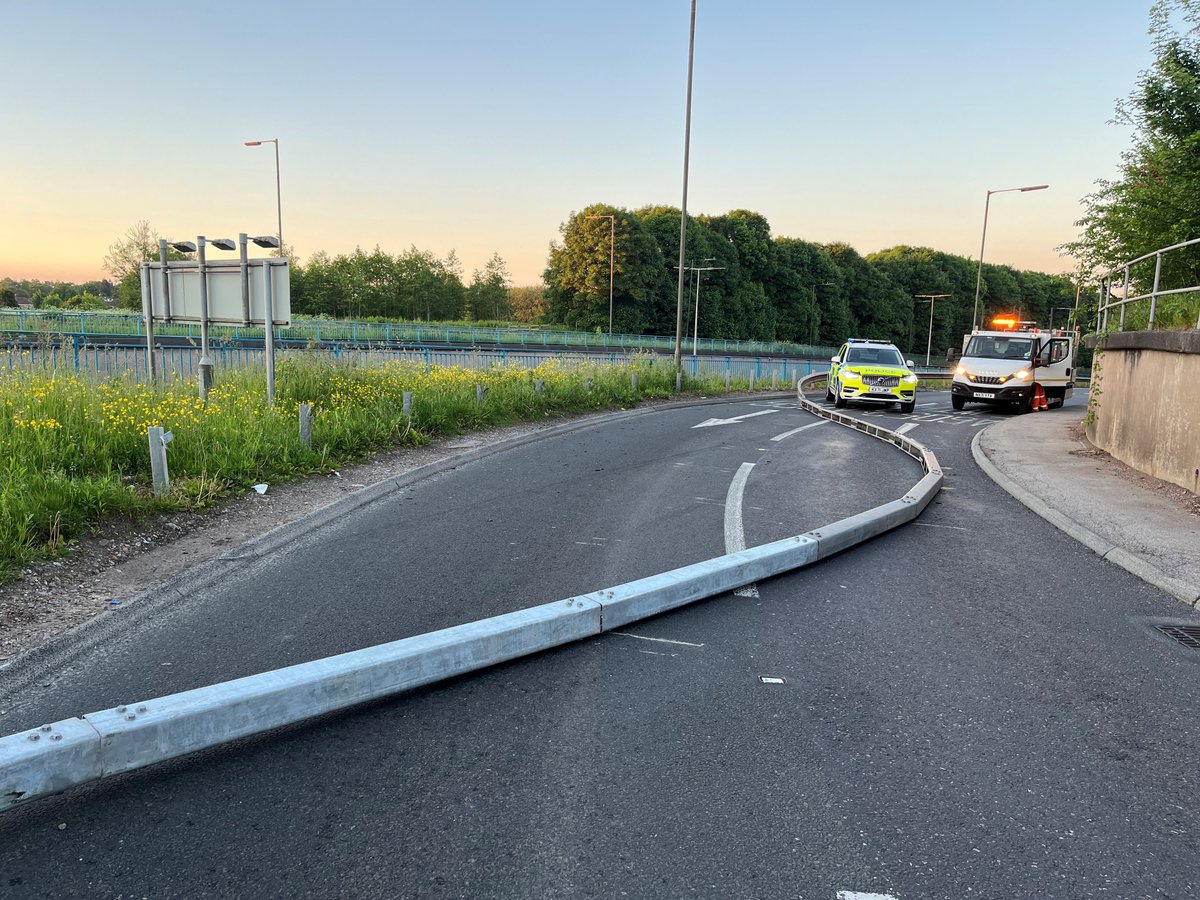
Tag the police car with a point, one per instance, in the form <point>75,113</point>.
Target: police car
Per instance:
<point>873,372</point>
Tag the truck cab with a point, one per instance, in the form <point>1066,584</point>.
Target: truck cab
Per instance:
<point>1004,366</point>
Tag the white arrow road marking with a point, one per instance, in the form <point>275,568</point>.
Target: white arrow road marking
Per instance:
<point>710,422</point>
<point>735,534</point>
<point>908,426</point>
<point>788,434</point>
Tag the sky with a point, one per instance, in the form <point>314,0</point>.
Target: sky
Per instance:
<point>479,127</point>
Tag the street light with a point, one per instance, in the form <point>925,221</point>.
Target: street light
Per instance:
<point>278,197</point>
<point>687,143</point>
<point>698,270</point>
<point>979,274</point>
<point>612,246</point>
<point>932,298</point>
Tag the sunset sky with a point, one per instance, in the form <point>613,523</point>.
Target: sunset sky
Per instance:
<point>480,126</point>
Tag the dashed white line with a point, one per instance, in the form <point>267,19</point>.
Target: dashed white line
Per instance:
<point>642,637</point>
<point>788,434</point>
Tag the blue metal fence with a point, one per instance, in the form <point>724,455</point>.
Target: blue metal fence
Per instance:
<point>79,355</point>
<point>98,325</point>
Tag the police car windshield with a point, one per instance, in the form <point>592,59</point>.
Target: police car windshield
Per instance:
<point>874,356</point>
<point>983,346</point>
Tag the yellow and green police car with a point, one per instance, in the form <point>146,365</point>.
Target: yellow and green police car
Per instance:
<point>872,371</point>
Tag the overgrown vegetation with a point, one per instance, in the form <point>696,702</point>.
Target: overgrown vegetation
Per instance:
<point>75,448</point>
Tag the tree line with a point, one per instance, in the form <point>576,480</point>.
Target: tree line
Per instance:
<point>753,286</point>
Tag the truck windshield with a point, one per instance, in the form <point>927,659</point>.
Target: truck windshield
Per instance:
<point>982,346</point>
<point>874,356</point>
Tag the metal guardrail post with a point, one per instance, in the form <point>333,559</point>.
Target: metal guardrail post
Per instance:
<point>1124,294</point>
<point>159,439</point>
<point>1154,290</point>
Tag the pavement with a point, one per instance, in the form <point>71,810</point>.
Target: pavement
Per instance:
<point>1041,460</point>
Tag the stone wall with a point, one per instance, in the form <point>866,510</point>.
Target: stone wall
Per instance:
<point>1146,403</point>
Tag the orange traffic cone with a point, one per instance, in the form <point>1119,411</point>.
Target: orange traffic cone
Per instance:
<point>1039,399</point>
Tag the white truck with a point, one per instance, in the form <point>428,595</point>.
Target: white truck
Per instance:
<point>1006,366</point>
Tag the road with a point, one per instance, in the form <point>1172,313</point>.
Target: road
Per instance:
<point>972,705</point>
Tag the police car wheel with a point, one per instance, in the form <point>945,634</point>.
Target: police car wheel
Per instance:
<point>838,400</point>
<point>908,407</point>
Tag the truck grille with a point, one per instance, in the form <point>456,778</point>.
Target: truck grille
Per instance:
<point>989,379</point>
<point>882,380</point>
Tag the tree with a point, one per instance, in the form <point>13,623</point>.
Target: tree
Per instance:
<point>1156,201</point>
<point>125,255</point>
<point>488,291</point>
<point>527,303</point>
<point>8,297</point>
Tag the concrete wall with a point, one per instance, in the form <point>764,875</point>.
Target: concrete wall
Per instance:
<point>1147,410</point>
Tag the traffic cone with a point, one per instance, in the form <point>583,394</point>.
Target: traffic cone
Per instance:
<point>1039,399</point>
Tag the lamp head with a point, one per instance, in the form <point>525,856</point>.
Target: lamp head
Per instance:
<point>266,240</point>
<point>253,143</point>
<point>223,244</point>
<point>183,246</point>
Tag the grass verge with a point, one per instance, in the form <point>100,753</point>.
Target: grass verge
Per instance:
<point>75,448</point>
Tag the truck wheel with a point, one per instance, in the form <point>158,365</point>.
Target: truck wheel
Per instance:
<point>1025,406</point>
<point>957,402</point>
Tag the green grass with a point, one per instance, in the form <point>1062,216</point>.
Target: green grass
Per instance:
<point>76,451</point>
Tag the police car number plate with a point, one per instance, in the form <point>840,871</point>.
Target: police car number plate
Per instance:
<point>880,390</point>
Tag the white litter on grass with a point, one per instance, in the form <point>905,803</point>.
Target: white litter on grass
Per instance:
<point>261,488</point>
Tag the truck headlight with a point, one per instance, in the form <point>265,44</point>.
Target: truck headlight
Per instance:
<point>961,370</point>
<point>1023,375</point>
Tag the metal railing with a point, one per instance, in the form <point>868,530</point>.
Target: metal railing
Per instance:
<point>74,354</point>
<point>98,325</point>
<point>1156,292</point>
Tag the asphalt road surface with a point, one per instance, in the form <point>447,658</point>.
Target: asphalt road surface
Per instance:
<point>971,706</point>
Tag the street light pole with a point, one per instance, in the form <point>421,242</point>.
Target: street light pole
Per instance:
<point>698,271</point>
<point>687,138</point>
<point>278,195</point>
<point>979,274</point>
<point>612,245</point>
<point>932,298</point>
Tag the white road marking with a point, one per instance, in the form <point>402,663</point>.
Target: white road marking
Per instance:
<point>929,525</point>
<point>642,637</point>
<point>735,534</point>
<point>859,895</point>
<point>907,426</point>
<point>788,434</point>
<point>708,423</point>
<point>656,653</point>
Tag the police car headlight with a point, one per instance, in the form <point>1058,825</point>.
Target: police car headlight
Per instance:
<point>910,378</point>
<point>850,375</point>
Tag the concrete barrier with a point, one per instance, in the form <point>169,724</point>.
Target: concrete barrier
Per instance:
<point>52,758</point>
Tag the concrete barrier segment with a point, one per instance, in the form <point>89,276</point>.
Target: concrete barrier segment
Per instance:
<point>47,760</point>
<point>74,751</point>
<point>138,734</point>
<point>650,596</point>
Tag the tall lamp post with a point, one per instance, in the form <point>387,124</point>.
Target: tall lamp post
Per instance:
<point>979,275</point>
<point>278,196</point>
<point>932,298</point>
<point>612,246</point>
<point>687,143</point>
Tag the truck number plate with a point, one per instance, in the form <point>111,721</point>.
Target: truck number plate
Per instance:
<point>983,394</point>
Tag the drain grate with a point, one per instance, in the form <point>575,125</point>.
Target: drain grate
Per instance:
<point>1188,635</point>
